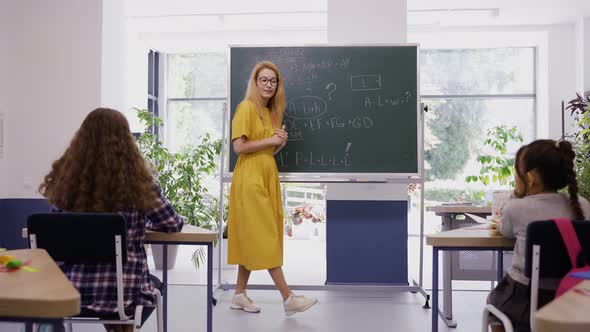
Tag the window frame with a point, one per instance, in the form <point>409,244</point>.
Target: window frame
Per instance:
<point>533,96</point>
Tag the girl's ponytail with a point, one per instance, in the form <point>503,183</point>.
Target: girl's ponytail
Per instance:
<point>566,150</point>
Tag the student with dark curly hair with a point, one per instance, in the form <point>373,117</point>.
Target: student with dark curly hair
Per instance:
<point>102,170</point>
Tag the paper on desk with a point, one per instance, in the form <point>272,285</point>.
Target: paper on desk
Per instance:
<point>477,218</point>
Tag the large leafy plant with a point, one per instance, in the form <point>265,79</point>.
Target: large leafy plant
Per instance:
<point>580,109</point>
<point>212,214</point>
<point>181,174</point>
<point>497,167</point>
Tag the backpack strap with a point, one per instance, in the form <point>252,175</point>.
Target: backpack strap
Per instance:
<point>570,239</point>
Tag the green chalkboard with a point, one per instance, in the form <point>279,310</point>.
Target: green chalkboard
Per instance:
<point>349,109</point>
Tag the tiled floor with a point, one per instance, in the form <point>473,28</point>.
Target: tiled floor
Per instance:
<point>338,311</point>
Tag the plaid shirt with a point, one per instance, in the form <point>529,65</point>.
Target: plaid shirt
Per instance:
<point>97,284</point>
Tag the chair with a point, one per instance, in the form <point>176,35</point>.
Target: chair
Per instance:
<point>90,238</point>
<point>546,257</point>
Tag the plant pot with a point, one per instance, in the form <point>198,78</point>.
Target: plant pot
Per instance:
<point>158,257</point>
<point>224,265</point>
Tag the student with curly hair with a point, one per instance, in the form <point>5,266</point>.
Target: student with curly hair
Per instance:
<point>102,170</point>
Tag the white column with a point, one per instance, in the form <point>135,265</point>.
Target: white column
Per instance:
<point>585,46</point>
<point>367,21</point>
<point>113,55</point>
<point>561,78</point>
<point>582,53</point>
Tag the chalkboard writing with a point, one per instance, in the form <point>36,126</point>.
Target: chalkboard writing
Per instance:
<point>349,109</point>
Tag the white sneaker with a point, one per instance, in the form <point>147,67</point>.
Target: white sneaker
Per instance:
<point>298,303</point>
<point>243,302</point>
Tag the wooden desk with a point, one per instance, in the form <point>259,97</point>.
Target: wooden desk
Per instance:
<point>44,296</point>
<point>569,312</point>
<point>193,236</point>
<point>459,209</point>
<point>450,215</point>
<point>468,238</point>
<point>189,233</point>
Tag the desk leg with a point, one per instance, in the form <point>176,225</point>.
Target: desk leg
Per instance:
<point>500,267</point>
<point>447,272</point>
<point>447,290</point>
<point>165,281</point>
<point>447,286</point>
<point>434,289</point>
<point>29,327</point>
<point>209,288</point>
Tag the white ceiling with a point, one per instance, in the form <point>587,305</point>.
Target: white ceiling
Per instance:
<point>496,12</point>
<point>420,12</point>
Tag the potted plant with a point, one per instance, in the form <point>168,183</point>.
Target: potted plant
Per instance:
<point>497,167</point>
<point>212,213</point>
<point>303,222</point>
<point>580,109</point>
<point>179,174</point>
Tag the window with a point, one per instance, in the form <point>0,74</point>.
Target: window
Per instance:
<point>196,93</point>
<point>469,91</point>
<point>197,90</point>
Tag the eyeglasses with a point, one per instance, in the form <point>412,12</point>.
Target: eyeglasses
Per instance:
<point>265,80</point>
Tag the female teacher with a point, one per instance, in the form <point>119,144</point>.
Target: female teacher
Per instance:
<point>255,227</point>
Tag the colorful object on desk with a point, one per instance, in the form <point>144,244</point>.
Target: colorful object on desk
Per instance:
<point>9,264</point>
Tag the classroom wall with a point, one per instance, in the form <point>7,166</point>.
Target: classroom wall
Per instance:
<point>6,31</point>
<point>53,59</point>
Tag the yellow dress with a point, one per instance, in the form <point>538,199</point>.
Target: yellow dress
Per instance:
<point>255,226</point>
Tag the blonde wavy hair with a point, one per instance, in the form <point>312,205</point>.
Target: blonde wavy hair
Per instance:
<point>102,169</point>
<point>277,103</point>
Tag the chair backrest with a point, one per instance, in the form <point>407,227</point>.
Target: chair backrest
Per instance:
<point>79,238</point>
<point>554,258</point>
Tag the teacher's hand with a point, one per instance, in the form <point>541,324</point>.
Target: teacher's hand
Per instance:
<point>276,140</point>
<point>282,134</point>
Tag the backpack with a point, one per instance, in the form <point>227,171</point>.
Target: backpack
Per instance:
<point>574,249</point>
